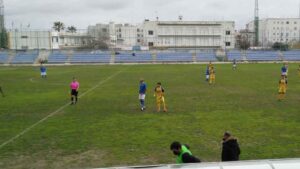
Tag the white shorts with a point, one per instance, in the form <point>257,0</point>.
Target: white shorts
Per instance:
<point>234,66</point>
<point>142,96</point>
<point>43,74</point>
<point>207,76</point>
<point>284,73</point>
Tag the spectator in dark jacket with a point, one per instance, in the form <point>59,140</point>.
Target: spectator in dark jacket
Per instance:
<point>183,153</point>
<point>231,149</point>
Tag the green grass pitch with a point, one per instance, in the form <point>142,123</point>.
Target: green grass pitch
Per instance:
<point>106,127</point>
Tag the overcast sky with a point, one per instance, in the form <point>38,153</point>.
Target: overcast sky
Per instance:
<point>41,14</point>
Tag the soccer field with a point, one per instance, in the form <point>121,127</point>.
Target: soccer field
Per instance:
<point>107,128</point>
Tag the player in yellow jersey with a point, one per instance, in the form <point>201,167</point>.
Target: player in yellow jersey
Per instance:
<point>212,76</point>
<point>210,65</point>
<point>160,97</point>
<point>282,88</point>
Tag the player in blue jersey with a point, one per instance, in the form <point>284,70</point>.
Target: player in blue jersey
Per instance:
<point>207,73</point>
<point>142,94</point>
<point>43,70</point>
<point>234,65</point>
<point>283,71</point>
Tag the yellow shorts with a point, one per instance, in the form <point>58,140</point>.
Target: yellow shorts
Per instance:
<point>282,90</point>
<point>160,100</point>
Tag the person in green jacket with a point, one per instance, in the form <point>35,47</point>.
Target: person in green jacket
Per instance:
<point>183,153</point>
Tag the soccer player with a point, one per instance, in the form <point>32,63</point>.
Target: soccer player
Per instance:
<point>74,91</point>
<point>207,73</point>
<point>282,88</point>
<point>43,71</point>
<point>210,65</point>
<point>142,94</point>
<point>234,65</point>
<point>212,76</point>
<point>160,99</point>
<point>284,70</point>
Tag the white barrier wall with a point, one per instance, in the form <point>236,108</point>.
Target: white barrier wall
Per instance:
<point>262,164</point>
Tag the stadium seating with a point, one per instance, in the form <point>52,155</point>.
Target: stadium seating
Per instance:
<point>135,57</point>
<point>291,55</point>
<point>90,57</point>
<point>174,57</point>
<point>234,55</point>
<point>263,56</point>
<point>206,56</point>
<point>25,57</point>
<point>57,57</point>
<point>3,57</point>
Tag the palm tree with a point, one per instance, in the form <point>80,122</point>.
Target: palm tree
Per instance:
<point>58,26</point>
<point>72,29</point>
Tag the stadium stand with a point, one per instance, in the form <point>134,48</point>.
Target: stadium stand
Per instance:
<point>3,57</point>
<point>263,56</point>
<point>174,57</point>
<point>206,56</point>
<point>291,55</point>
<point>85,57</point>
<point>134,57</point>
<point>57,57</point>
<point>25,57</point>
<point>234,54</point>
<point>90,57</point>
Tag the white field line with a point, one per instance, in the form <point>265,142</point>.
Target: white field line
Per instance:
<point>57,111</point>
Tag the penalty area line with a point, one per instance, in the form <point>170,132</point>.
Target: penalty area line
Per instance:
<point>57,111</point>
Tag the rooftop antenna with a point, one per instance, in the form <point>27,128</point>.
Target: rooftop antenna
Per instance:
<point>299,9</point>
<point>180,17</point>
<point>256,23</point>
<point>156,14</point>
<point>1,15</point>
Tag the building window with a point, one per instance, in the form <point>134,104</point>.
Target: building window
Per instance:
<point>150,44</point>
<point>24,37</point>
<point>287,22</point>
<point>138,30</point>
<point>150,33</point>
<point>295,22</point>
<point>227,43</point>
<point>138,41</point>
<point>227,32</point>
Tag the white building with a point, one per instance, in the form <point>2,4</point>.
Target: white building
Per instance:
<point>28,40</point>
<point>128,36</point>
<point>271,30</point>
<point>68,40</point>
<point>189,34</point>
<point>168,34</point>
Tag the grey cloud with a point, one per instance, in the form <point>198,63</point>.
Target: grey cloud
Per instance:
<point>81,13</point>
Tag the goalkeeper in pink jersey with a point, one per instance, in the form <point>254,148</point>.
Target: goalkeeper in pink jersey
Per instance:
<point>74,91</point>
